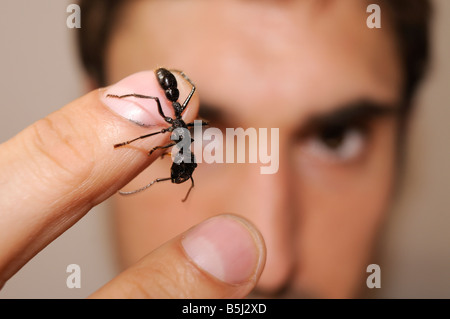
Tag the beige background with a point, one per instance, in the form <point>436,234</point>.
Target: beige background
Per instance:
<point>39,73</point>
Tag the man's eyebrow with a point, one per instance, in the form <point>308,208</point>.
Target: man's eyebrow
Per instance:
<point>211,113</point>
<point>351,113</point>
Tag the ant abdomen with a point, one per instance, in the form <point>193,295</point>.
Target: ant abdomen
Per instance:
<point>169,83</point>
<point>172,94</point>
<point>166,79</point>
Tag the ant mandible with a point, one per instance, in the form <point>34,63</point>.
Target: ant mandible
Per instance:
<point>182,169</point>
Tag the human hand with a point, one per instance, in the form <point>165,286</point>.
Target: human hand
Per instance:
<point>56,170</point>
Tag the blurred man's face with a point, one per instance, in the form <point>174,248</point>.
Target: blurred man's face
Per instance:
<point>310,68</point>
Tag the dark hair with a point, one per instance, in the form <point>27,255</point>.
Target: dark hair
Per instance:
<point>411,22</point>
<point>410,19</point>
<point>98,17</point>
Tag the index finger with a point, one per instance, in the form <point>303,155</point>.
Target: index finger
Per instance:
<point>56,170</point>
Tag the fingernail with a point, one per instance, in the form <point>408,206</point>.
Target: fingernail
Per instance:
<point>142,111</point>
<point>227,247</point>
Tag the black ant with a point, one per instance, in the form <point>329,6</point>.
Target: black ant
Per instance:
<point>182,168</point>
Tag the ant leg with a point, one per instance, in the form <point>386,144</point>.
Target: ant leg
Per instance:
<point>185,103</point>
<point>165,153</point>
<point>146,186</point>
<point>164,130</point>
<point>140,96</point>
<point>161,147</point>
<point>193,124</point>
<point>190,188</point>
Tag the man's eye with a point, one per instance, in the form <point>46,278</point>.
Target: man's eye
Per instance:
<point>337,143</point>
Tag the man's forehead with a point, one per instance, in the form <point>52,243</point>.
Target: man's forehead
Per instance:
<point>318,70</point>
<point>292,55</point>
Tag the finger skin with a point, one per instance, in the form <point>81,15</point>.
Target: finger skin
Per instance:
<point>56,170</point>
<point>168,271</point>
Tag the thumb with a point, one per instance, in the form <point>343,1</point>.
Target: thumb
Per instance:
<point>222,257</point>
<point>57,169</point>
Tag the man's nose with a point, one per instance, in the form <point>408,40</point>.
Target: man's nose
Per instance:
<point>265,200</point>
